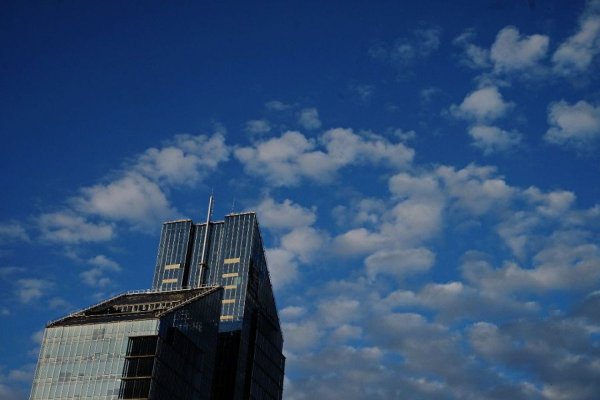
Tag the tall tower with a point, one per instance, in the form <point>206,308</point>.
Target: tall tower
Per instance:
<point>229,253</point>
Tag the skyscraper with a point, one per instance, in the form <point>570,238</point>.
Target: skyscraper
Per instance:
<point>230,253</point>
<point>208,328</point>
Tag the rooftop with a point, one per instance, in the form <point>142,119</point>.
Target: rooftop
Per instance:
<point>135,305</point>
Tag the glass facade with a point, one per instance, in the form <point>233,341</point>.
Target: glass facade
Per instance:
<point>85,361</point>
<point>250,362</point>
<point>208,329</point>
<point>154,345</point>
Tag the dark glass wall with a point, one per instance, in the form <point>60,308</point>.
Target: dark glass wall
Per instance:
<point>250,363</point>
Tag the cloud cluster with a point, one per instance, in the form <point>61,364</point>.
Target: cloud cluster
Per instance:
<point>514,56</point>
<point>95,277</point>
<point>452,338</point>
<point>576,125</point>
<point>576,54</point>
<point>292,157</point>
<point>512,53</point>
<point>481,108</point>
<point>298,240</point>
<point>137,194</point>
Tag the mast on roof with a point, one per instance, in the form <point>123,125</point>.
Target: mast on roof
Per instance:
<point>203,263</point>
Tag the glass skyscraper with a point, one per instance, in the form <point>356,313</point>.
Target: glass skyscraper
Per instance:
<point>208,328</point>
<point>230,254</point>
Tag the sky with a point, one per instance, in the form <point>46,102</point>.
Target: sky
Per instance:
<point>426,177</point>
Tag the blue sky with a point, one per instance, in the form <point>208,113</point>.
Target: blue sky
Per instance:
<point>425,174</point>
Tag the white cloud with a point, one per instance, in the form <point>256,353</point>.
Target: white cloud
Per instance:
<point>357,241</point>
<point>132,198</point>
<point>283,266</point>
<point>258,126</point>
<point>476,189</point>
<point>550,204</point>
<point>309,119</point>
<point>575,125</point>
<point>482,105</point>
<point>137,193</point>
<point>276,105</point>
<point>511,52</point>
<point>334,312</point>
<point>285,215</point>
<point>363,211</point>
<point>59,304</point>
<point>576,54</point>
<point>70,228</point>
<point>304,242</point>
<point>345,147</point>
<point>491,139</point>
<point>554,351</point>
<point>13,230</point>
<point>286,160</point>
<point>292,312</point>
<point>96,277</point>
<point>38,336</point>
<point>474,56</point>
<point>300,336</point>
<point>556,267</point>
<point>298,242</point>
<point>399,262</point>
<point>30,289</point>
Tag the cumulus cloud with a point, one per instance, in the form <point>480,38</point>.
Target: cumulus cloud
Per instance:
<point>576,126</point>
<point>449,338</point>
<point>576,54</point>
<point>96,277</point>
<point>277,105</point>
<point>284,215</point>
<point>132,198</point>
<point>476,189</point>
<point>399,262</point>
<point>511,52</point>
<point>13,231</point>
<point>286,160</point>
<point>298,241</point>
<point>484,104</point>
<point>258,126</point>
<point>473,56</point>
<point>556,351</point>
<point>308,118</point>
<point>491,139</point>
<point>556,267</point>
<point>71,228</point>
<point>136,194</point>
<point>29,289</point>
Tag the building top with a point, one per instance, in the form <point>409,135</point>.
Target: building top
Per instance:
<point>135,305</point>
<point>233,214</point>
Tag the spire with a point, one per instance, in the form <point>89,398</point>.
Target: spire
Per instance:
<point>203,263</point>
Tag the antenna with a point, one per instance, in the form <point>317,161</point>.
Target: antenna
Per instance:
<point>203,264</point>
<point>232,206</point>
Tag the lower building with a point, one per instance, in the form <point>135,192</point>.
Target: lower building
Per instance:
<point>144,345</point>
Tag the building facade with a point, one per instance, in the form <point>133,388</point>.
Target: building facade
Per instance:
<point>148,345</point>
<point>208,328</point>
<point>230,254</point>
